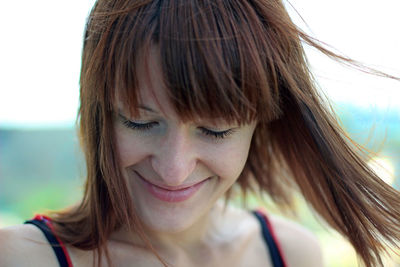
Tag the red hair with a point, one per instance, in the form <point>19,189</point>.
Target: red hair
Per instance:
<point>239,60</point>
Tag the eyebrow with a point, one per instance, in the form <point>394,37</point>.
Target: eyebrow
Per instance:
<point>140,107</point>
<point>147,108</point>
<point>123,117</point>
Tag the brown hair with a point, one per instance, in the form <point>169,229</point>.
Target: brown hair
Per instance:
<point>240,60</point>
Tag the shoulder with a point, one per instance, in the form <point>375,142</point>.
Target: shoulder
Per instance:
<point>25,245</point>
<point>299,246</point>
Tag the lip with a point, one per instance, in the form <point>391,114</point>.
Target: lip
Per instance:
<point>171,194</point>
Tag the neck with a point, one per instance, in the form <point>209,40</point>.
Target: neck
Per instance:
<point>189,241</point>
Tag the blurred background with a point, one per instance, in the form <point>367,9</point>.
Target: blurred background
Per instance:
<point>41,166</point>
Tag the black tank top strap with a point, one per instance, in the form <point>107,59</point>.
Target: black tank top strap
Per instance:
<point>44,224</point>
<point>270,240</point>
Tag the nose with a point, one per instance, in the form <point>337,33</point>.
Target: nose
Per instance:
<point>175,157</point>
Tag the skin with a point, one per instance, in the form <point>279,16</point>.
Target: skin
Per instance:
<point>173,153</point>
<point>299,246</point>
<point>193,232</point>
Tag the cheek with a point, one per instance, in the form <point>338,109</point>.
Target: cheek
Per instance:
<point>130,150</point>
<point>228,162</point>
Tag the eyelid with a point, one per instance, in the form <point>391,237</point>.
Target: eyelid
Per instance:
<point>135,125</point>
<point>217,134</point>
<point>143,126</point>
<point>123,117</point>
<point>139,126</point>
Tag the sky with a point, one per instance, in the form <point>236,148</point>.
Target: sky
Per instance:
<point>41,43</point>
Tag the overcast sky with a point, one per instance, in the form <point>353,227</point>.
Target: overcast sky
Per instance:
<point>41,44</point>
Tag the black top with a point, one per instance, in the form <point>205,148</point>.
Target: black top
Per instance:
<point>270,240</point>
<point>44,224</point>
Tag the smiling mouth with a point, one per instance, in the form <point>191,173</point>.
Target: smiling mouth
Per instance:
<point>171,194</point>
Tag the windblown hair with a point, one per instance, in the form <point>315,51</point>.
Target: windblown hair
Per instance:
<point>241,60</point>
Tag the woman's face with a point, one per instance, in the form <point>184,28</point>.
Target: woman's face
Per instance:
<point>176,170</point>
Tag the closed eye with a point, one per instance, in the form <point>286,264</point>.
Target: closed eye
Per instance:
<point>137,125</point>
<point>216,134</point>
<point>144,126</point>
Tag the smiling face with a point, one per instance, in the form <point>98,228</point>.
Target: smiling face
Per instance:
<point>176,170</point>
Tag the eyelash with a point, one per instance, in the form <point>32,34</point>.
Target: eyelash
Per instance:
<point>139,126</point>
<point>215,134</point>
<point>148,126</point>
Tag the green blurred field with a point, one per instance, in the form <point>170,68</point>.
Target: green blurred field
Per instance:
<point>43,170</point>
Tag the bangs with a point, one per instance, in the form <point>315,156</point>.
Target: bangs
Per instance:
<point>214,57</point>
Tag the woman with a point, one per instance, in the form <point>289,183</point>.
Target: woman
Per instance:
<point>182,102</point>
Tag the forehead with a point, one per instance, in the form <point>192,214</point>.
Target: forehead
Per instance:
<point>209,64</point>
<point>152,91</point>
<point>194,76</point>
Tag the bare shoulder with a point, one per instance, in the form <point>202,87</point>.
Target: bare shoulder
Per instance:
<point>25,245</point>
<point>299,245</point>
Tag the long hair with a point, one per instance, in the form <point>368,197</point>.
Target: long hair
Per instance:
<point>241,60</point>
